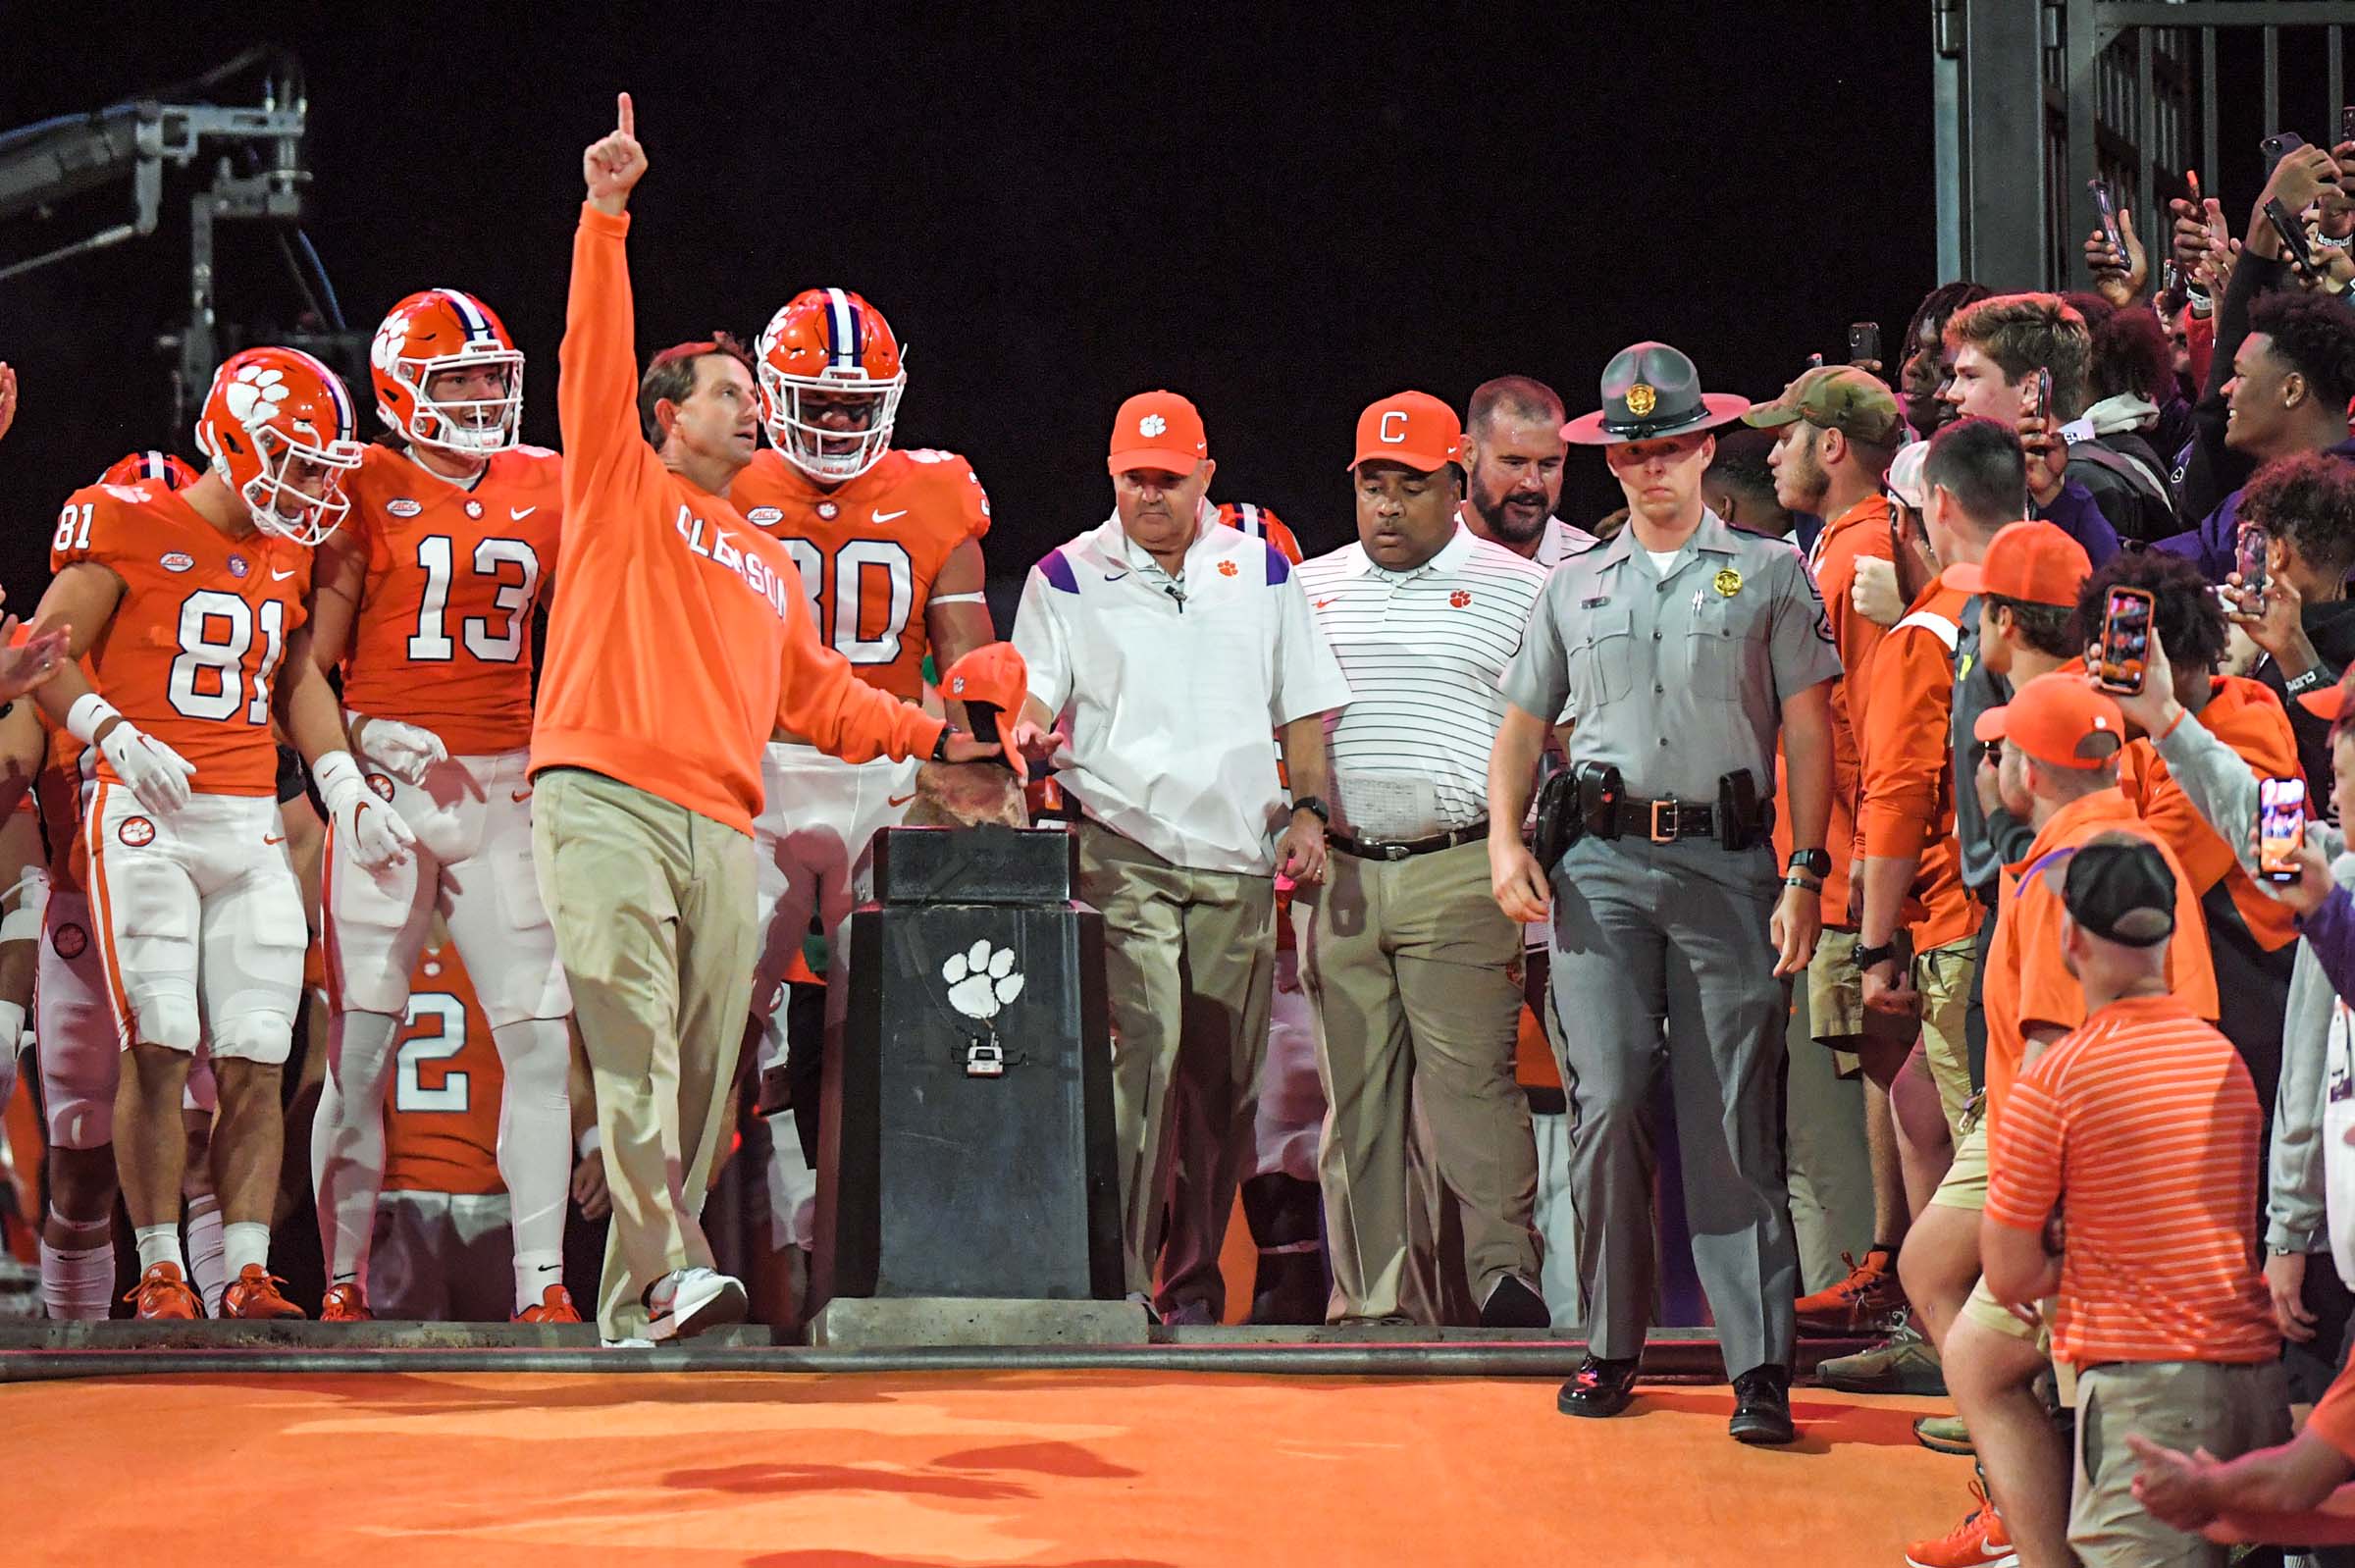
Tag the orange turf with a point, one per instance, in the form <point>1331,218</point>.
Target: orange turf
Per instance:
<point>1080,1470</point>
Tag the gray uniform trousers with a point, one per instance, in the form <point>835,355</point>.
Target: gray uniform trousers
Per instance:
<point>1642,938</point>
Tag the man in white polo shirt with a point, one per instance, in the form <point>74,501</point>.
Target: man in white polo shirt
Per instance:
<point>1414,970</point>
<point>1165,651</point>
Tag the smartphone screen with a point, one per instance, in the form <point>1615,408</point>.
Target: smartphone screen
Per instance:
<point>2106,205</point>
<point>2248,557</point>
<point>2126,640</point>
<point>2280,827</point>
<point>2277,146</point>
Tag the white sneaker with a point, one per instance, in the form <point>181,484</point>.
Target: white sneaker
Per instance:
<point>685,1302</point>
<point>627,1342</point>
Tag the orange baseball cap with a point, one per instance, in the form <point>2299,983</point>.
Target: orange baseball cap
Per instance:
<point>1158,429</point>
<point>2329,701</point>
<point>1411,428</point>
<point>2059,720</point>
<point>993,674</point>
<point>2033,563</point>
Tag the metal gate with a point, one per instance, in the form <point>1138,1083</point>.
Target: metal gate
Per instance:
<point>2035,98</point>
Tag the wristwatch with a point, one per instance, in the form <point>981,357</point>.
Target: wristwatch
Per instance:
<point>940,748</point>
<point>1867,958</point>
<point>1314,806</point>
<point>1817,860</point>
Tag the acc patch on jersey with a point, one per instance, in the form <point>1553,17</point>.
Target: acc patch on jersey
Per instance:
<point>765,516</point>
<point>178,561</point>
<point>403,508</point>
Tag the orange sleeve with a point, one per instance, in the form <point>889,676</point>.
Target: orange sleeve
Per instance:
<point>2190,966</point>
<point>1286,544</point>
<point>1855,633</point>
<point>2333,1418</point>
<point>2171,817</point>
<point>2049,995</point>
<point>596,389</point>
<point>1905,762</point>
<point>822,698</point>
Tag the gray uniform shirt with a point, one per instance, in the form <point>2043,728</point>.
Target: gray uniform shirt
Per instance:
<point>1676,678</point>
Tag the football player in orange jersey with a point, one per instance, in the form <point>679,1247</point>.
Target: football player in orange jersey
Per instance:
<point>425,599</point>
<point>185,606</point>
<point>888,540</point>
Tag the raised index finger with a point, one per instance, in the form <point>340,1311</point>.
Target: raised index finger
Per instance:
<point>627,116</point>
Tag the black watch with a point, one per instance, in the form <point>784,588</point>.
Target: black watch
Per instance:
<point>1818,861</point>
<point>1314,807</point>
<point>1868,958</point>
<point>940,748</point>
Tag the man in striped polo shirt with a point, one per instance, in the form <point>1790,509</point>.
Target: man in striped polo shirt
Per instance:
<point>1413,969</point>
<point>2150,1113</point>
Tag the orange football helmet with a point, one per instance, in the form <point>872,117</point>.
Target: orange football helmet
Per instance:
<point>437,330</point>
<point>268,410</point>
<point>151,468</point>
<point>831,346</point>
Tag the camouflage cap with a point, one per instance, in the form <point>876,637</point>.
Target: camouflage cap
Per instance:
<point>1837,397</point>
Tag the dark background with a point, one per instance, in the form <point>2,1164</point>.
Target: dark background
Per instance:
<point>1282,212</point>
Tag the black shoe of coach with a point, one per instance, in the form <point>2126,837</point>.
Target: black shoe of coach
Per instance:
<point>1762,1406</point>
<point>1601,1389</point>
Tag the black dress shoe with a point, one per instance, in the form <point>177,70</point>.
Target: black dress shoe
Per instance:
<point>1514,1305</point>
<point>1762,1406</point>
<point>1601,1389</point>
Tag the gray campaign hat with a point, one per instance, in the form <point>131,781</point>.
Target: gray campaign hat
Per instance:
<point>1649,391</point>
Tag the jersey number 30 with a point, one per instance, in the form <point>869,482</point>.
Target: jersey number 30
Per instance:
<point>856,632</point>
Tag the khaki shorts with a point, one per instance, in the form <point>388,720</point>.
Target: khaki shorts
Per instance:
<point>1965,1183</point>
<point>1943,977</point>
<point>2228,1410</point>
<point>1836,998</point>
<point>1989,1313</point>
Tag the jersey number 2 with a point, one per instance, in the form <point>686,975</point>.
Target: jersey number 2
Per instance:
<point>857,566</point>
<point>440,1019</point>
<point>216,631</point>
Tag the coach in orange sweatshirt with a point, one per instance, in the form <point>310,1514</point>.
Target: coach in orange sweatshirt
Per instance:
<point>680,640</point>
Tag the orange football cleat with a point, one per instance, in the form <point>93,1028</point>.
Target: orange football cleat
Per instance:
<point>1978,1542</point>
<point>554,1306</point>
<point>254,1294</point>
<point>344,1303</point>
<point>1863,1302</point>
<point>163,1295</point>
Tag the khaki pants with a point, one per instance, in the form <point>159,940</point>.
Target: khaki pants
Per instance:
<point>1413,971</point>
<point>2183,1405</point>
<point>652,906</point>
<point>1189,958</point>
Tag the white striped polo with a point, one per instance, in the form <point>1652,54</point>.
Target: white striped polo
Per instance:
<point>1423,651</point>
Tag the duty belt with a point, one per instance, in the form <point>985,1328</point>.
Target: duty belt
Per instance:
<point>1399,850</point>
<point>1665,822</point>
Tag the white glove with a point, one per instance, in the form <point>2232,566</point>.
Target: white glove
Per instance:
<point>1874,594</point>
<point>378,837</point>
<point>404,750</point>
<point>156,775</point>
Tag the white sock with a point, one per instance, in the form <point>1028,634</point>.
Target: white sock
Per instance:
<point>535,1149</point>
<point>160,1243</point>
<point>347,1139</point>
<point>77,1279</point>
<point>204,1251</point>
<point>243,1243</point>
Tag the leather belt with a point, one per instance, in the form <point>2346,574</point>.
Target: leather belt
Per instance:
<point>1665,822</point>
<point>1372,850</point>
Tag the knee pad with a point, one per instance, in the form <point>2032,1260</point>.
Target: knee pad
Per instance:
<point>77,1091</point>
<point>167,1016</point>
<point>263,1038</point>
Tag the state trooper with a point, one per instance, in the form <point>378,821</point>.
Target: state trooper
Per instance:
<point>1680,649</point>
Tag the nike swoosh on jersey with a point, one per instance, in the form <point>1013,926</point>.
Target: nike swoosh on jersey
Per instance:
<point>885,517</point>
<point>519,795</point>
<point>277,576</point>
<point>895,801</point>
<point>277,839</point>
<point>518,514</point>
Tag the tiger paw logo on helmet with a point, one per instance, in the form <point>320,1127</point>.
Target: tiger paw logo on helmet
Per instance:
<point>254,394</point>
